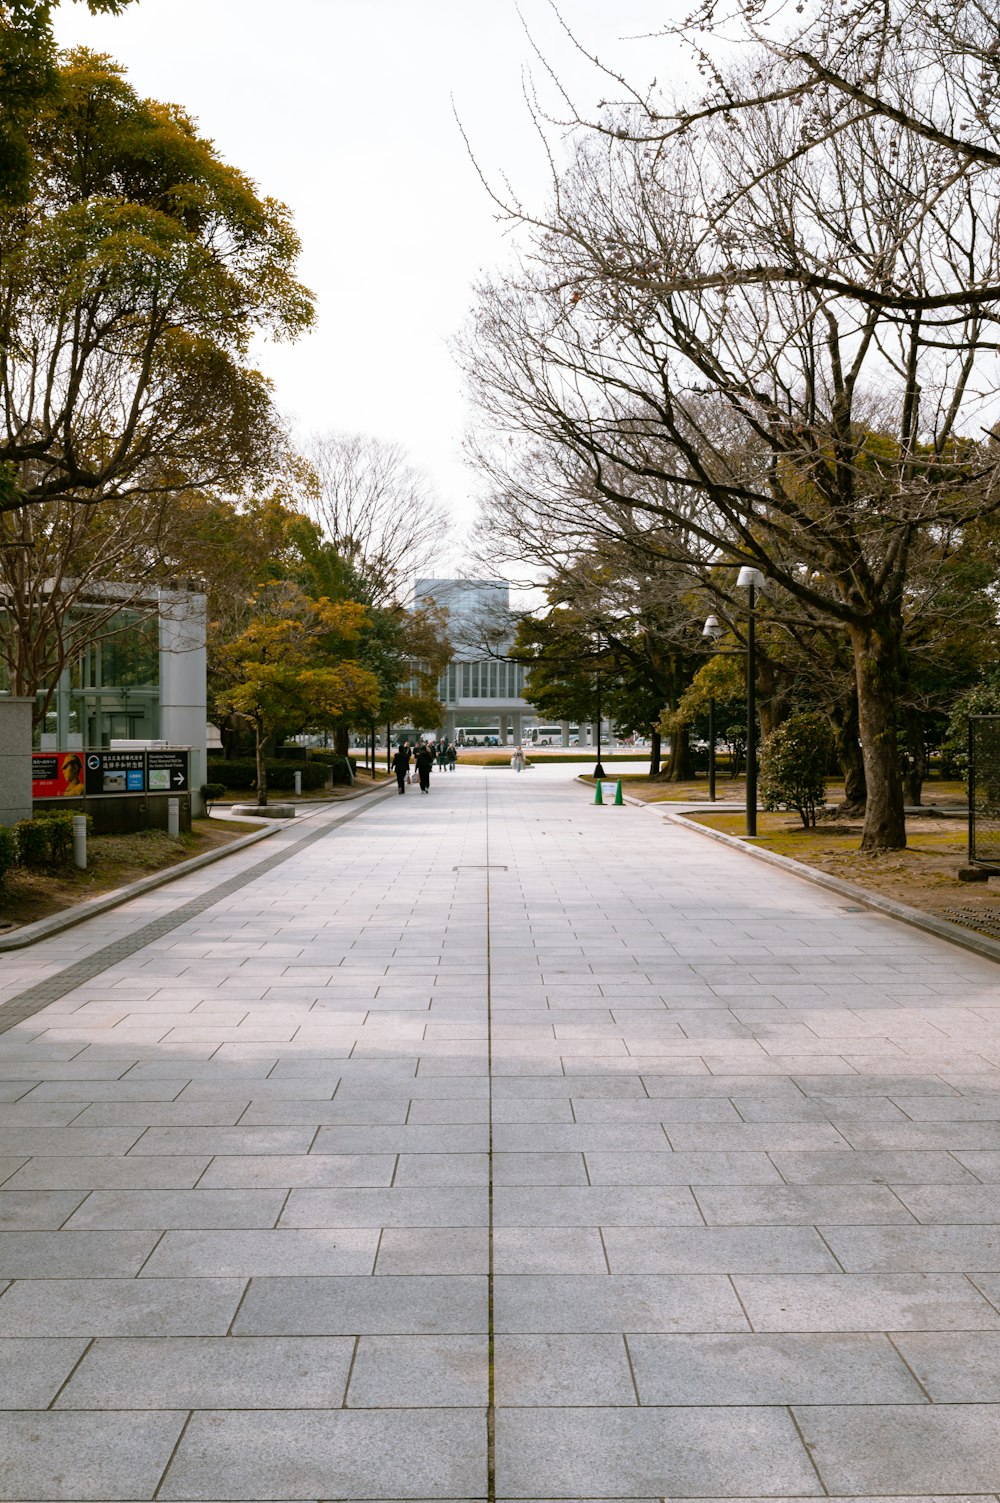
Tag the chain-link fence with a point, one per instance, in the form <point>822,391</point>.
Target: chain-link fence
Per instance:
<point>984,790</point>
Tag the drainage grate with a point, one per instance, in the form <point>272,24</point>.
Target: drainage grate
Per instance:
<point>972,918</point>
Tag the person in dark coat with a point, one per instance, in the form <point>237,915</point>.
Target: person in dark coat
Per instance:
<point>425,761</point>
<point>401,767</point>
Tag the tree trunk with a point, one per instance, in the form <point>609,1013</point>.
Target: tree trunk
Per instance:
<point>851,761</point>
<point>916,758</point>
<point>261,743</point>
<point>679,768</point>
<point>655,748</point>
<point>876,666</point>
<point>341,740</point>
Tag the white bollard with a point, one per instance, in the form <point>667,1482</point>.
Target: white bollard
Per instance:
<point>173,817</point>
<point>298,780</point>
<point>80,841</point>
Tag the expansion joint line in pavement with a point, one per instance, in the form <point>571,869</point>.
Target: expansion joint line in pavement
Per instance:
<point>25,1004</point>
<point>491,1416</point>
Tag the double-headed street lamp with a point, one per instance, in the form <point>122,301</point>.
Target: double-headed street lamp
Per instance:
<point>751,580</point>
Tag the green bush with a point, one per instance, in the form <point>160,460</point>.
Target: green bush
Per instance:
<point>32,841</point>
<point>46,840</point>
<point>242,774</point>
<point>59,829</point>
<point>210,792</point>
<point>793,766</point>
<point>8,851</point>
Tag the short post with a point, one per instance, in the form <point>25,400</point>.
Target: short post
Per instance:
<point>297,775</point>
<point>173,817</point>
<point>711,749</point>
<point>80,841</point>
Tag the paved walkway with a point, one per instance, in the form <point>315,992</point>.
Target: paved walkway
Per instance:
<point>498,1146</point>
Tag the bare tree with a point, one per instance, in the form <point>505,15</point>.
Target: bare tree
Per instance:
<point>785,335</point>
<point>73,576</point>
<point>378,511</point>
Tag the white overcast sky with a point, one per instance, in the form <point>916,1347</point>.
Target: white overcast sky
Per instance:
<point>344,110</point>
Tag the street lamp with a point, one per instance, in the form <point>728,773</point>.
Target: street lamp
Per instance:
<point>711,631</point>
<point>751,580</point>
<point>598,770</point>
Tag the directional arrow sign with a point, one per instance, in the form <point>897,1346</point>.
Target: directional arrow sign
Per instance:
<point>167,771</point>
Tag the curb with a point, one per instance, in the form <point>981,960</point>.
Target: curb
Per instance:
<point>967,939</point>
<point>31,934</point>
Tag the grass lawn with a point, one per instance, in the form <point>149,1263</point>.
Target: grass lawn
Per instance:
<point>114,861</point>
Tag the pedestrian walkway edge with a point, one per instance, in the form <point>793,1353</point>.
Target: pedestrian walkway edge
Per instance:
<point>56,923</point>
<point>967,938</point>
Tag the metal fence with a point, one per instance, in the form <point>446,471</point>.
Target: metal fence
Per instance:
<point>984,790</point>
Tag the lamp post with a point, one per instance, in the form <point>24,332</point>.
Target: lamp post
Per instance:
<point>751,580</point>
<point>598,770</point>
<point>711,631</point>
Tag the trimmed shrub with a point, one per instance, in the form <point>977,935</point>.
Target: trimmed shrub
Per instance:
<point>32,840</point>
<point>793,766</point>
<point>46,840</point>
<point>8,851</point>
<point>210,792</point>
<point>280,775</point>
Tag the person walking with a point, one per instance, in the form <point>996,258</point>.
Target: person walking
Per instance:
<point>451,756</point>
<point>442,753</point>
<point>517,760</point>
<point>425,762</point>
<point>401,766</point>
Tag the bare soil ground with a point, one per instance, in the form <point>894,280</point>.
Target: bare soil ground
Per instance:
<point>113,861</point>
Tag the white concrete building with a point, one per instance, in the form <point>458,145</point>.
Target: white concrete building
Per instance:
<point>482,690</point>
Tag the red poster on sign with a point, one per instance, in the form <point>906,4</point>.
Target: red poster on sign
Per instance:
<point>57,775</point>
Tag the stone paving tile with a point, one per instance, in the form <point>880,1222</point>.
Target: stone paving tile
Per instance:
<point>563,1371</point>
<point>613,1453</point>
<point>209,1373</point>
<point>84,1456</point>
<point>771,1369</point>
<point>74,1254</point>
<point>174,1173</point>
<point>120,1307</point>
<point>346,1454</point>
<point>942,1449</point>
<point>419,1372</point>
<point>361,1306</point>
<point>866,1302</point>
<point>189,1209</point>
<point>36,1210</point>
<point>33,1371</point>
<point>598,1303</point>
<point>434,1206</point>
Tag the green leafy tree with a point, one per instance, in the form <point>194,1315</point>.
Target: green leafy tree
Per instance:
<point>132,282</point>
<point>793,765</point>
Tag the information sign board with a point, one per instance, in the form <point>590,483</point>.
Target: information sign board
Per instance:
<point>115,772</point>
<point>57,775</point>
<point>167,771</point>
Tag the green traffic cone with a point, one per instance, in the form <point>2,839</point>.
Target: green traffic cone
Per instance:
<point>598,796</point>
<point>618,795</point>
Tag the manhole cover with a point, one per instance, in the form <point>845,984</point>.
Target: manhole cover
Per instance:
<point>971,918</point>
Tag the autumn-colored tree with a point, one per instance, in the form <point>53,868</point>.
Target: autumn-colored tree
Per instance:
<point>292,669</point>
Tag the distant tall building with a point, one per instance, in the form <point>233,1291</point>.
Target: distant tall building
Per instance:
<point>481,689</point>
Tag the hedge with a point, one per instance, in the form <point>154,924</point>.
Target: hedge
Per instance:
<point>8,851</point>
<point>46,840</point>
<point>242,774</point>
